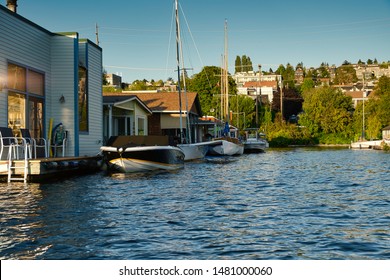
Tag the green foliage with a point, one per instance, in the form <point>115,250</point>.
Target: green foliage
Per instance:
<point>244,114</point>
<point>111,89</point>
<point>307,85</point>
<point>207,84</point>
<point>288,75</point>
<point>326,110</point>
<point>282,134</point>
<point>243,64</point>
<point>377,109</point>
<point>345,74</point>
<point>237,64</point>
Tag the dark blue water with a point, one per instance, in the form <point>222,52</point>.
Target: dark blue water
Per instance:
<point>284,204</point>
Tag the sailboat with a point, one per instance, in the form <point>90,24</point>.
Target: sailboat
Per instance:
<point>228,145</point>
<point>192,151</point>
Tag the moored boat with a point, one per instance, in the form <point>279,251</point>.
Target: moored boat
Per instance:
<point>128,154</point>
<point>194,151</point>
<point>226,146</point>
<point>255,142</point>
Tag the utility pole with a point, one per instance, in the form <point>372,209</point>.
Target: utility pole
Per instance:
<point>364,96</point>
<point>97,34</point>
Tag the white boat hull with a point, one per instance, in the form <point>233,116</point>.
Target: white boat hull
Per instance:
<point>193,151</point>
<point>253,146</point>
<point>226,148</point>
<point>143,158</point>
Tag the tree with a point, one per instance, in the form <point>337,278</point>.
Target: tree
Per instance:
<point>244,111</point>
<point>104,78</point>
<point>326,110</point>
<point>345,74</point>
<point>237,64</point>
<point>323,71</point>
<point>243,64</point>
<point>307,85</point>
<point>377,109</point>
<point>207,84</point>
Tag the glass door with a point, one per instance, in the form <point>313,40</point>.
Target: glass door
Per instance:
<point>16,112</point>
<point>36,118</point>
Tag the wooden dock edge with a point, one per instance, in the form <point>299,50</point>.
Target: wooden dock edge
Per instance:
<point>43,169</point>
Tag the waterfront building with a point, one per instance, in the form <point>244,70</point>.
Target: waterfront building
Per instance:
<point>50,76</point>
<point>124,115</point>
<point>159,112</point>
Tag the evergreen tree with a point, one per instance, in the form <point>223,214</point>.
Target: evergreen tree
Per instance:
<point>237,64</point>
<point>244,63</point>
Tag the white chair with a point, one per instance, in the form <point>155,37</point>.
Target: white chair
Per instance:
<point>8,140</point>
<point>37,146</point>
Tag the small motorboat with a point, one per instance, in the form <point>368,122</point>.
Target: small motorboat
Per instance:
<point>129,154</point>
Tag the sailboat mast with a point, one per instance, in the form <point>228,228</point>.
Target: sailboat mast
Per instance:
<point>226,79</point>
<point>178,66</point>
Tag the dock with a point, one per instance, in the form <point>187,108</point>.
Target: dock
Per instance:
<point>374,145</point>
<point>42,169</point>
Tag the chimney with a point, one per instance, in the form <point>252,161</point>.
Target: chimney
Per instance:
<point>11,5</point>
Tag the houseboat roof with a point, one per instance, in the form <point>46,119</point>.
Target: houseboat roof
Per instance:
<point>164,102</point>
<point>38,27</point>
<point>121,100</point>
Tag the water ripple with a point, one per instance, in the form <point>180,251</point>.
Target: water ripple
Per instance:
<point>283,204</point>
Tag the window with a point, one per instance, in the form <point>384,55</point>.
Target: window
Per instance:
<point>35,82</point>
<point>26,100</point>
<point>16,77</point>
<point>83,100</point>
<point>141,126</point>
<point>16,112</point>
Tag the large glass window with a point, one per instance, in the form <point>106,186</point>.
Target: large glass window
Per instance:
<point>16,77</point>
<point>26,100</point>
<point>83,100</point>
<point>16,112</point>
<point>35,82</point>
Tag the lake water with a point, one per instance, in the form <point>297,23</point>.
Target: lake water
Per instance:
<point>304,203</point>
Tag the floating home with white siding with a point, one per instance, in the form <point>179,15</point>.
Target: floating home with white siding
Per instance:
<point>50,76</point>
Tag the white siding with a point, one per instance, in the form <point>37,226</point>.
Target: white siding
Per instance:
<point>64,49</point>
<point>90,142</point>
<point>57,56</point>
<point>19,39</point>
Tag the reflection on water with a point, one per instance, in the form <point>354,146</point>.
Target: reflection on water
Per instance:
<point>283,204</point>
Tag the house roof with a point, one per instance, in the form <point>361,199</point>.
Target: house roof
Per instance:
<point>355,94</point>
<point>36,26</point>
<point>164,102</point>
<point>272,84</point>
<point>386,128</point>
<point>118,100</point>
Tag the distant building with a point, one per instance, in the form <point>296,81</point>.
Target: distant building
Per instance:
<point>370,71</point>
<point>114,80</point>
<point>255,83</point>
<point>299,74</point>
<point>386,133</point>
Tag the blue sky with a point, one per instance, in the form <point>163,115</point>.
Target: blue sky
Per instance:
<point>137,37</point>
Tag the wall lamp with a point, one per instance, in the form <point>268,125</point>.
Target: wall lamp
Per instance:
<point>62,99</point>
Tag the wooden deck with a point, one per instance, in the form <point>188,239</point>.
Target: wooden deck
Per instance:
<point>42,169</point>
